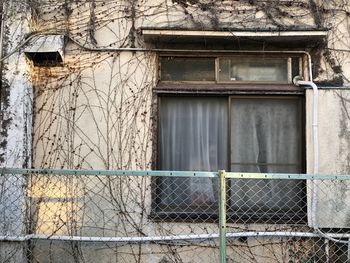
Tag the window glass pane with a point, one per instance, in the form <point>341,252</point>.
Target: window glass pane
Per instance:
<point>265,131</point>
<point>266,168</point>
<point>296,67</point>
<point>253,69</point>
<point>187,69</point>
<point>193,137</point>
<point>266,138</point>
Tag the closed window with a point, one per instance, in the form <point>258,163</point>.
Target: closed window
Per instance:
<point>261,134</point>
<point>240,133</point>
<point>231,69</point>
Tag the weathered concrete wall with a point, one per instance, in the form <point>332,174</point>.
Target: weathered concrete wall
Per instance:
<point>333,129</point>
<point>112,25</point>
<point>334,156</point>
<point>98,111</point>
<point>15,130</point>
<point>16,97</point>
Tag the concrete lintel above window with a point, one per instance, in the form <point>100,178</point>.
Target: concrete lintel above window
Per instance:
<point>166,35</point>
<point>46,50</point>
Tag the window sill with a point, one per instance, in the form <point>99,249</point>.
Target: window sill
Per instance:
<point>167,87</point>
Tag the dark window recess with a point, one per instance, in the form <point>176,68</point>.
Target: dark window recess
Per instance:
<point>296,68</point>
<point>187,69</point>
<point>45,59</point>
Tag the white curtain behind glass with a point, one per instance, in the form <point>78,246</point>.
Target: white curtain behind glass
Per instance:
<point>193,137</point>
<point>265,138</point>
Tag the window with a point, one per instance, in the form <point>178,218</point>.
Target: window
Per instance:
<point>187,69</point>
<point>251,69</point>
<point>232,69</point>
<point>193,137</point>
<point>266,137</point>
<point>251,133</point>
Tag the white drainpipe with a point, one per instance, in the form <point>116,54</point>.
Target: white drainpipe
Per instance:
<point>315,145</point>
<point>299,82</point>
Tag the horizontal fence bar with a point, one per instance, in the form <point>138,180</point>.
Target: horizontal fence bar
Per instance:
<point>232,175</point>
<point>110,239</point>
<point>285,176</point>
<point>19,171</point>
<point>261,234</point>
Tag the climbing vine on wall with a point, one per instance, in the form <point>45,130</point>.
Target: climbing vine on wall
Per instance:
<point>97,110</point>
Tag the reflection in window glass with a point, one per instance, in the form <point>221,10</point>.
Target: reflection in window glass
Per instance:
<point>253,69</point>
<point>187,69</point>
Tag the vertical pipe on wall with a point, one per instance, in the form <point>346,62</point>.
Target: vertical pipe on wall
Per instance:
<point>299,82</point>
<point>315,147</point>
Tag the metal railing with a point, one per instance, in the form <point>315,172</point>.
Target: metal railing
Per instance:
<point>52,215</point>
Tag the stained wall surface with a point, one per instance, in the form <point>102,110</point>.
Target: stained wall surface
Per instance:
<point>99,110</point>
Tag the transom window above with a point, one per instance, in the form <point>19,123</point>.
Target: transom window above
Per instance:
<point>231,69</point>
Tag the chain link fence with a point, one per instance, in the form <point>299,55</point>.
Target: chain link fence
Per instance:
<point>160,216</point>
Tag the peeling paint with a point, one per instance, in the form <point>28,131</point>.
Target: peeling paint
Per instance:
<point>16,101</point>
<point>4,101</point>
<point>15,122</point>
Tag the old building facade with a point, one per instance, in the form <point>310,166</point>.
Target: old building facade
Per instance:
<point>198,85</point>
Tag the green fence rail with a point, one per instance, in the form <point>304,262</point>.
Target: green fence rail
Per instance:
<point>222,178</point>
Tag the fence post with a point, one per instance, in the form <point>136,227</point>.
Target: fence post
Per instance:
<point>222,215</point>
